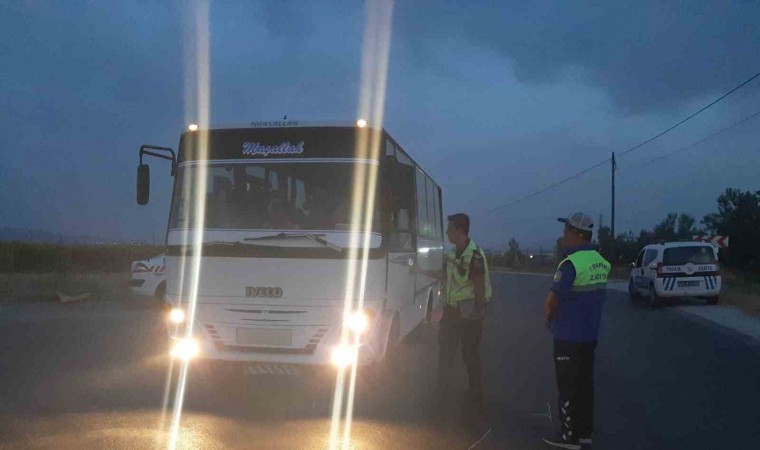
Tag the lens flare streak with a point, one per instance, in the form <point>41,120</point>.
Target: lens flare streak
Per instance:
<point>375,53</point>
<point>197,82</point>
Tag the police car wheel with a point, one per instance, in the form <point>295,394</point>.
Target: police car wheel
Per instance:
<point>160,293</point>
<point>654,299</point>
<point>632,290</point>
<point>713,300</point>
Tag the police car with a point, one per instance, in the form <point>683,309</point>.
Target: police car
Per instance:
<point>676,269</point>
<point>149,277</point>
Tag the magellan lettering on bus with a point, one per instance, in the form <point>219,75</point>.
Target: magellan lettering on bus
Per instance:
<point>285,148</point>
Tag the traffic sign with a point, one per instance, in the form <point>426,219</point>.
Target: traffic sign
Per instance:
<point>720,241</point>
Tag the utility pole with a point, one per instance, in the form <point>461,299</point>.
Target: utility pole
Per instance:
<point>612,219</point>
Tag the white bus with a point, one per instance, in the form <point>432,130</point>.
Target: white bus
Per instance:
<point>275,241</point>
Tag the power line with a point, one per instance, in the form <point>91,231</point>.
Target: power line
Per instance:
<point>744,83</point>
<point>549,187</point>
<point>693,115</point>
<point>752,116</point>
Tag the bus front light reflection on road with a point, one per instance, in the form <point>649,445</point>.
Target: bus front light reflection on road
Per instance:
<point>185,349</point>
<point>177,315</point>
<point>343,356</point>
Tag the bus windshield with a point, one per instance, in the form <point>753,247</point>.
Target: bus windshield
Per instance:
<point>268,196</point>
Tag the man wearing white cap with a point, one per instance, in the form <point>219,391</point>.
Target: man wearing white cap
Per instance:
<point>573,312</point>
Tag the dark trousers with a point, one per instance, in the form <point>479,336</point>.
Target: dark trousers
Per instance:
<point>453,329</point>
<point>574,364</point>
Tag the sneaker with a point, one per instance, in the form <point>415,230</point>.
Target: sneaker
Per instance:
<point>584,441</point>
<point>563,441</point>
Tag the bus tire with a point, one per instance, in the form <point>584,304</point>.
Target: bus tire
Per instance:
<point>393,337</point>
<point>376,373</point>
<point>429,308</point>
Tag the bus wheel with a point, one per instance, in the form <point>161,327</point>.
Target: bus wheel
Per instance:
<point>429,311</point>
<point>378,372</point>
<point>393,338</point>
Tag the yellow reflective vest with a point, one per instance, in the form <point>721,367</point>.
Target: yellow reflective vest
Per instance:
<point>459,287</point>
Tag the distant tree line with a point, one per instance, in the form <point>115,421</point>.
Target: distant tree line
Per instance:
<point>738,217</point>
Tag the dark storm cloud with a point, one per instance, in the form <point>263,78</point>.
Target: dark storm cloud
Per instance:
<point>648,55</point>
<point>488,97</point>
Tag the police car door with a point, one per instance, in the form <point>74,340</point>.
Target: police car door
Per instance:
<point>649,268</point>
<point>637,273</point>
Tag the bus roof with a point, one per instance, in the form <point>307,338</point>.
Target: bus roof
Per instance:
<point>288,124</point>
<point>284,124</point>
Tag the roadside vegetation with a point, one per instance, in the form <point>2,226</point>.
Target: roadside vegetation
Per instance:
<point>737,216</point>
<point>38,272</point>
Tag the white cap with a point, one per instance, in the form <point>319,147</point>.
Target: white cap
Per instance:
<point>579,220</point>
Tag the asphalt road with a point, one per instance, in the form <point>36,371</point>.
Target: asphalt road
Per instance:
<point>94,375</point>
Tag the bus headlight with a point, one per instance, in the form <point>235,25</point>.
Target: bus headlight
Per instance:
<point>177,315</point>
<point>357,321</point>
<point>343,355</point>
<point>185,349</point>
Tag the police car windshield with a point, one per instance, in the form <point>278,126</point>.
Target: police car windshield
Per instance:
<point>280,196</point>
<point>698,254</point>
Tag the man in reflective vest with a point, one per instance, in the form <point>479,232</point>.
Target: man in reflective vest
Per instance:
<point>573,312</point>
<point>468,291</point>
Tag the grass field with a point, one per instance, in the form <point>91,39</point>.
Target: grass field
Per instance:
<point>742,291</point>
<point>32,257</point>
<point>43,287</point>
<point>36,272</point>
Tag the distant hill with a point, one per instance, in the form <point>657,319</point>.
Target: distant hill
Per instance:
<point>29,235</point>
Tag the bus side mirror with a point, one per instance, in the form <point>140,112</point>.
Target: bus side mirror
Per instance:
<point>143,184</point>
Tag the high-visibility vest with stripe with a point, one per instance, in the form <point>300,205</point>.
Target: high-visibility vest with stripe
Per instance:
<point>459,287</point>
<point>578,317</point>
<point>591,270</point>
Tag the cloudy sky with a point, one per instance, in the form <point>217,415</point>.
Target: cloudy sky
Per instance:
<point>496,99</point>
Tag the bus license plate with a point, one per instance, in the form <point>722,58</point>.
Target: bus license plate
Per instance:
<point>280,337</point>
<point>688,283</point>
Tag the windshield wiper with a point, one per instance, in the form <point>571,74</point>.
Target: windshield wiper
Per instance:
<point>281,236</point>
<point>325,242</point>
<point>315,237</point>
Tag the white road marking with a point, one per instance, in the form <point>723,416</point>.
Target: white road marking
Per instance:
<point>481,439</point>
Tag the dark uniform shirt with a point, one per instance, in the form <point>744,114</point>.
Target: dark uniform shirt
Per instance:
<point>578,315</point>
